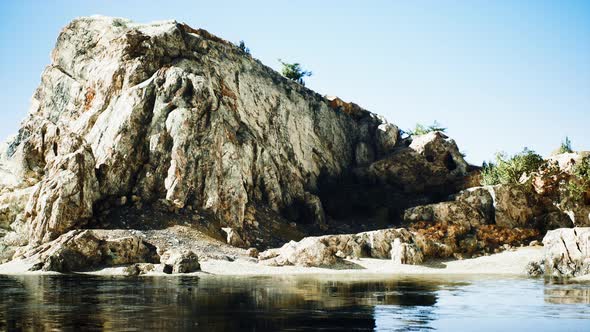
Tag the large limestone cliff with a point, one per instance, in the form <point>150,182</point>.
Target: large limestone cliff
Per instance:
<point>132,117</point>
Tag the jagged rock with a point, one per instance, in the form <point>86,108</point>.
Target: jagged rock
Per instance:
<point>566,161</point>
<point>513,206</point>
<point>180,261</point>
<point>457,213</point>
<point>480,199</point>
<point>233,238</point>
<point>253,252</point>
<point>387,137</point>
<point>404,253</point>
<point>84,249</point>
<point>12,204</point>
<point>555,220</point>
<point>567,252</point>
<point>507,206</point>
<point>328,250</point>
<point>535,269</point>
<point>431,161</point>
<point>166,112</point>
<point>310,251</point>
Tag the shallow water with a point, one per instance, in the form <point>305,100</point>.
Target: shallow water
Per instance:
<point>71,302</point>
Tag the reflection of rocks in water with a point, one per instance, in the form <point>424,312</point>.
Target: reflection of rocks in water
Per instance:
<point>404,318</point>
<point>270,303</point>
<point>567,294</point>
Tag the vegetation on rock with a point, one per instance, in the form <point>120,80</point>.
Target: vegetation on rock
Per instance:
<point>294,71</point>
<point>566,146</point>
<point>510,169</point>
<point>242,46</point>
<point>421,129</point>
<point>579,184</point>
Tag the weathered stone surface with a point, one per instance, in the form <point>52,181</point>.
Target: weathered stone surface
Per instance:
<point>233,238</point>
<point>458,213</point>
<point>64,199</point>
<point>567,252</point>
<point>535,269</point>
<point>328,250</point>
<point>507,206</point>
<point>431,161</point>
<point>513,208</point>
<point>180,261</point>
<point>139,268</point>
<point>404,253</point>
<point>481,199</point>
<point>253,252</point>
<point>84,249</point>
<point>12,204</point>
<point>310,251</point>
<point>166,112</point>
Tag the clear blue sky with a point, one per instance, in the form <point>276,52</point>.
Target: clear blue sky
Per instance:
<point>500,75</point>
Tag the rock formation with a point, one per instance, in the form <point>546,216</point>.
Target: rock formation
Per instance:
<point>177,133</point>
<point>567,252</point>
<point>78,250</point>
<point>163,113</point>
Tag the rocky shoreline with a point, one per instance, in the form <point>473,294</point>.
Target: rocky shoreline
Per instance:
<point>163,149</point>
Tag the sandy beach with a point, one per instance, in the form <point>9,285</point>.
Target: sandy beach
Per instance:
<point>504,263</point>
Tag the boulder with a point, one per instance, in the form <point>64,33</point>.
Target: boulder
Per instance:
<point>513,206</point>
<point>233,237</point>
<point>456,213</point>
<point>567,252</point>
<point>79,250</point>
<point>180,261</point>
<point>480,199</point>
<point>431,162</point>
<point>325,251</point>
<point>311,251</point>
<point>405,253</point>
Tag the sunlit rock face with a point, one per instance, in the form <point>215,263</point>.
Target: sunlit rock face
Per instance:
<point>567,252</point>
<point>165,112</point>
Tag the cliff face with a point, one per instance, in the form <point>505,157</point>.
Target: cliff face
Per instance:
<point>139,117</point>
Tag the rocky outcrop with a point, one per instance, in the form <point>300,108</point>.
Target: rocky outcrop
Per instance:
<point>167,112</point>
<point>157,126</point>
<point>80,250</point>
<point>402,246</point>
<point>178,261</point>
<point>567,252</point>
<point>430,162</point>
<point>404,253</point>
<point>330,249</point>
<point>506,206</point>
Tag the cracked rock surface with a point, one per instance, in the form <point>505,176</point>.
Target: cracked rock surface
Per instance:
<point>567,252</point>
<point>164,114</point>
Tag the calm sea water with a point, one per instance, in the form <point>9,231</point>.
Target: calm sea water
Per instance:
<point>71,302</point>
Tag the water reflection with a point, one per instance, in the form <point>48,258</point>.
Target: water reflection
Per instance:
<point>564,293</point>
<point>78,302</point>
<point>271,303</point>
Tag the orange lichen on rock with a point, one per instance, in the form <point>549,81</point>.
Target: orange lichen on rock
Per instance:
<point>348,108</point>
<point>88,98</point>
<point>494,236</point>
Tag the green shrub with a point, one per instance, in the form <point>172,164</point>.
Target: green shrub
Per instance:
<point>242,46</point>
<point>293,71</point>
<point>509,170</point>
<point>421,129</point>
<point>579,183</point>
<point>566,146</point>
